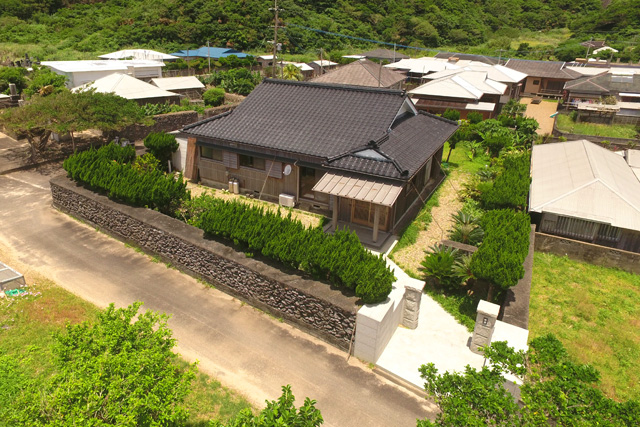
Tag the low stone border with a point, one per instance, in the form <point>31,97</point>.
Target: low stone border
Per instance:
<point>588,252</point>
<point>313,306</point>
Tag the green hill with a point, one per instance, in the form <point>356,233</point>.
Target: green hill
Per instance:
<point>60,29</point>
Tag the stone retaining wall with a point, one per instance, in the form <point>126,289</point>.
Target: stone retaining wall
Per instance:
<point>588,252</point>
<point>310,305</point>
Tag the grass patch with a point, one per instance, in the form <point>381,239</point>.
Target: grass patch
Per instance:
<point>565,124</point>
<point>26,327</point>
<point>460,159</point>
<point>595,312</point>
<point>461,305</point>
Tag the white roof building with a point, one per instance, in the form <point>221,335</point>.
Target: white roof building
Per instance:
<point>81,72</point>
<point>464,84</point>
<point>582,180</point>
<point>139,54</point>
<point>130,88</point>
<point>178,83</point>
<point>497,73</point>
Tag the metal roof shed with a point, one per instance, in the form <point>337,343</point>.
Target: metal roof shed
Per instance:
<point>10,278</point>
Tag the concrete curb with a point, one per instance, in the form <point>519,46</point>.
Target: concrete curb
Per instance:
<point>414,389</point>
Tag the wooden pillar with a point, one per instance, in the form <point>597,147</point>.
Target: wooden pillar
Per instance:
<point>191,164</point>
<point>376,223</point>
<point>336,203</point>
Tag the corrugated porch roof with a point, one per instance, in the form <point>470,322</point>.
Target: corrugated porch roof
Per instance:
<point>358,188</point>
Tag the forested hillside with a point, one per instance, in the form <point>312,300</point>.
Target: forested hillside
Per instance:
<point>51,27</point>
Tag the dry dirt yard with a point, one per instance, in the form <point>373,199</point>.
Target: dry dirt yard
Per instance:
<point>307,218</point>
<point>449,203</point>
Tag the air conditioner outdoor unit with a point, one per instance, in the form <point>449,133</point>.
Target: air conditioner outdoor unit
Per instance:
<point>287,200</point>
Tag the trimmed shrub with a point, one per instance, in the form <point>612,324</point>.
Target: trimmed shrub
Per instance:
<point>213,97</point>
<point>500,257</point>
<point>511,187</point>
<point>451,114</point>
<point>339,258</point>
<point>162,145</point>
<point>108,169</point>
<point>474,117</point>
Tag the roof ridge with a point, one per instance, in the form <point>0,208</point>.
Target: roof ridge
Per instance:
<point>207,120</point>
<point>453,122</point>
<point>335,86</point>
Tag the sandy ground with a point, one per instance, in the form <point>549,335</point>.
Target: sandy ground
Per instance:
<point>541,113</point>
<point>449,203</point>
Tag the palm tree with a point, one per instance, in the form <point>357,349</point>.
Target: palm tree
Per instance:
<point>291,72</point>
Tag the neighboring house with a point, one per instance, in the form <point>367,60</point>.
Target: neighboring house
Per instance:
<point>131,88</point>
<point>464,91</point>
<point>364,156</point>
<point>586,94</point>
<point>585,192</point>
<point>322,66</point>
<point>265,60</point>
<point>81,72</point>
<point>544,77</point>
<point>499,73</point>
<point>385,55</point>
<point>489,60</point>
<point>143,54</point>
<point>363,73</point>
<point>188,86</point>
<point>417,69</point>
<point>208,52</point>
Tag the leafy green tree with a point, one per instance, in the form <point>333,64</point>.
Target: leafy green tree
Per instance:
<point>42,79</point>
<point>213,97</point>
<point>162,145</point>
<point>281,412</point>
<point>451,114</point>
<point>15,75</point>
<point>121,370</point>
<point>292,72</point>
<point>554,391</point>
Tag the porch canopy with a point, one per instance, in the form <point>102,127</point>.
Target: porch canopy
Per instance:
<point>358,188</point>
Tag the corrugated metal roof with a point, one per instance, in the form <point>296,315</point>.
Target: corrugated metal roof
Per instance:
<point>177,83</point>
<point>581,179</point>
<point>104,65</point>
<point>209,52</point>
<point>138,54</point>
<point>465,84</point>
<point>363,189</point>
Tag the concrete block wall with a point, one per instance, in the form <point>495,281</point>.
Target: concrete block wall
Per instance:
<point>376,324</point>
<point>310,305</point>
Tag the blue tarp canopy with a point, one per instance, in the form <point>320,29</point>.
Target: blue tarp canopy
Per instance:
<point>209,52</point>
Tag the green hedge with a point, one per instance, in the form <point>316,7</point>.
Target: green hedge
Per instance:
<point>505,246</point>
<point>511,187</point>
<point>109,169</point>
<point>339,258</point>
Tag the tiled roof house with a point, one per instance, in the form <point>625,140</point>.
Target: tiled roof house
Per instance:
<point>544,77</point>
<point>363,73</point>
<point>364,155</point>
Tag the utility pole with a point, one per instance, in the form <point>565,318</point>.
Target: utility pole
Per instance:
<point>588,49</point>
<point>275,36</point>
<point>209,56</point>
<point>321,63</point>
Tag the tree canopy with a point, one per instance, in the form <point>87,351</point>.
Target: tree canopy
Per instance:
<point>121,370</point>
<point>66,112</point>
<point>170,26</point>
<point>555,391</point>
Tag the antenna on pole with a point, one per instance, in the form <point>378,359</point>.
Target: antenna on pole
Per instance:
<point>275,36</point>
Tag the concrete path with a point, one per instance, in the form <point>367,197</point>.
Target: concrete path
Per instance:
<point>245,349</point>
<point>438,339</point>
<point>541,112</point>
